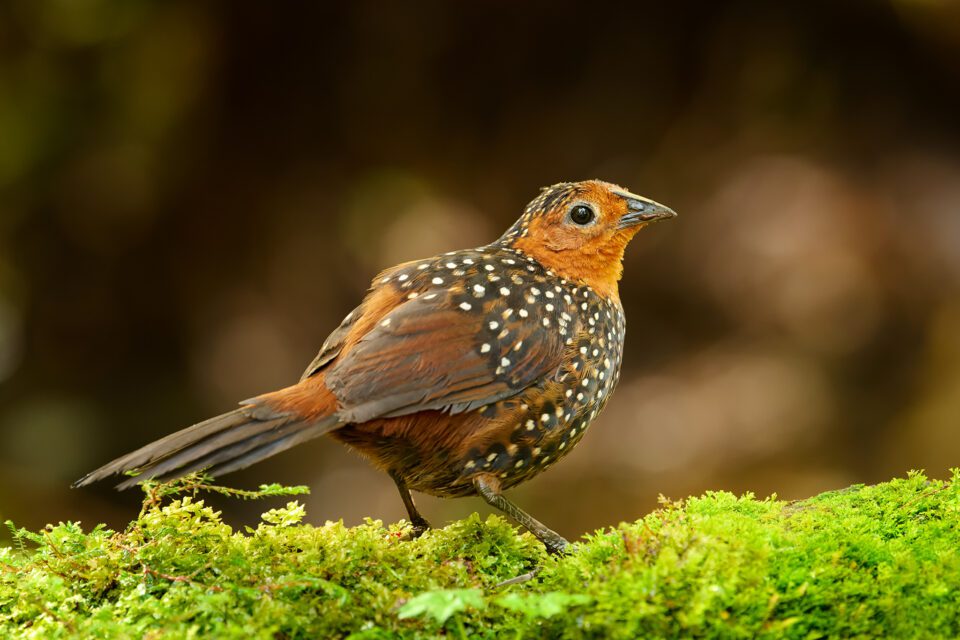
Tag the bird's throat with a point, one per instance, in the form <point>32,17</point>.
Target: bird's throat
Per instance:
<point>600,267</point>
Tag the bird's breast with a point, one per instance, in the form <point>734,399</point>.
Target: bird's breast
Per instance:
<point>543,424</point>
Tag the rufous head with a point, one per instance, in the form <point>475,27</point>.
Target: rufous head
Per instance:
<point>581,229</point>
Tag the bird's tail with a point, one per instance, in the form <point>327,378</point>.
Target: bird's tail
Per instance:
<point>224,443</point>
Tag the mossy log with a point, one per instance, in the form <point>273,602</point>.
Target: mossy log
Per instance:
<point>867,561</point>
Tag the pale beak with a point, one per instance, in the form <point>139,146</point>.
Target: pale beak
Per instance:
<point>642,210</point>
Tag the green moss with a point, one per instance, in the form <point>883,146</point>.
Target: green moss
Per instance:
<point>863,562</point>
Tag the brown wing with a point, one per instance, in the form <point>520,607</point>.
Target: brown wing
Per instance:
<point>378,302</point>
<point>445,351</point>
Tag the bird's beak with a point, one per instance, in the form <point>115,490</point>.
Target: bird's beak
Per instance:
<point>642,210</point>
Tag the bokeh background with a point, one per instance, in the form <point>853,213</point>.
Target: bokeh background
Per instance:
<point>193,194</point>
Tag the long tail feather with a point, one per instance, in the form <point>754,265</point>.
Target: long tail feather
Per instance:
<point>224,443</point>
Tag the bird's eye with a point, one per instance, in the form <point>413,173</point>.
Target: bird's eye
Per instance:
<point>582,214</point>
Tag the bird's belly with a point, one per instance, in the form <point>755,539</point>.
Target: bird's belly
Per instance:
<point>425,449</point>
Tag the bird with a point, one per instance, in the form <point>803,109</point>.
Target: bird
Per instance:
<point>463,374</point>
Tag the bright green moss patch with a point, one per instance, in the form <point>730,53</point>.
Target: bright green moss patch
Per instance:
<point>862,562</point>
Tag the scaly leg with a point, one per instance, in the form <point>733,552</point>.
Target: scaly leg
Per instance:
<point>489,489</point>
<point>420,524</point>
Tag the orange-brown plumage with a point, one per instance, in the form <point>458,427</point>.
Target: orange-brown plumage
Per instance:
<point>462,374</point>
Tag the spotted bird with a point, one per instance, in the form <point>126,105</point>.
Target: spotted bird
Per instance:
<point>462,374</point>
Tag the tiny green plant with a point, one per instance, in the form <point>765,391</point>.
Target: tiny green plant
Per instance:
<point>867,561</point>
<point>443,604</point>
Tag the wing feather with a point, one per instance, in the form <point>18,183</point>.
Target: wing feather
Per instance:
<point>428,354</point>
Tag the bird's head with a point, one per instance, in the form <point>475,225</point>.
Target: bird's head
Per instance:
<point>580,230</point>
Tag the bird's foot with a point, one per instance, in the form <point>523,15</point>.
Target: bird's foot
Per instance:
<point>418,527</point>
<point>556,544</point>
<point>524,577</point>
<point>556,548</point>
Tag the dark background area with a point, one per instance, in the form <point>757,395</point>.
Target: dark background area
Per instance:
<point>192,195</point>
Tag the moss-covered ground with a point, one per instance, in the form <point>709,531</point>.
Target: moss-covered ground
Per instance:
<point>868,561</point>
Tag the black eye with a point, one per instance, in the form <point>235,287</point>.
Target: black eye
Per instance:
<point>581,214</point>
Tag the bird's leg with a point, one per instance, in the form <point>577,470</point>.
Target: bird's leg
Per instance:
<point>420,524</point>
<point>489,489</point>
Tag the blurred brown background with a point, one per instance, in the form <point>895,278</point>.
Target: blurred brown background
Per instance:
<point>193,194</point>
